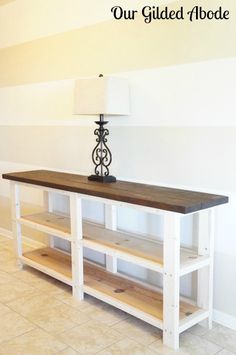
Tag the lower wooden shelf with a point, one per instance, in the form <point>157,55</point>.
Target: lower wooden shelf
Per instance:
<point>52,262</point>
<point>132,297</point>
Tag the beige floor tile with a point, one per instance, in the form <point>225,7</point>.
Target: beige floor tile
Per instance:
<point>105,314</point>
<point>6,244</point>
<point>68,351</point>
<point>52,321</point>
<point>35,342</point>
<point>13,325</point>
<point>195,345</point>
<point>90,337</point>
<point>93,301</point>
<point>4,309</point>
<point>198,330</point>
<point>75,315</point>
<point>32,304</point>
<point>222,336</point>
<point>57,319</point>
<point>2,239</point>
<point>225,352</point>
<point>6,240</point>
<point>51,286</point>
<point>5,277</point>
<point>67,298</point>
<point>158,348</point>
<point>13,290</point>
<point>30,275</point>
<point>41,281</point>
<point>6,254</point>
<point>126,346</point>
<point>10,265</point>
<point>137,330</point>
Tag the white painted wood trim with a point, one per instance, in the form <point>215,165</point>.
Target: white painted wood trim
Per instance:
<point>196,265</point>
<point>224,319</point>
<point>111,223</point>
<point>6,233</point>
<point>26,240</point>
<point>171,281</point>
<point>76,246</point>
<point>16,227</point>
<point>205,275</point>
<point>48,205</point>
<point>193,319</point>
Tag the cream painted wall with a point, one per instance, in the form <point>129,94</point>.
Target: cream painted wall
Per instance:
<point>115,47</point>
<point>47,17</point>
<point>201,94</point>
<point>179,75</point>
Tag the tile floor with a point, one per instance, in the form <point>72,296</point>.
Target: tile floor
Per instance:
<point>38,316</point>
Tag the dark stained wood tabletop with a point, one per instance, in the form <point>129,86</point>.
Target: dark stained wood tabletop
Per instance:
<point>169,199</point>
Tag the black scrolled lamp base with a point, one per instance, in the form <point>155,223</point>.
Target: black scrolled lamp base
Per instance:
<point>101,154</point>
<point>99,178</point>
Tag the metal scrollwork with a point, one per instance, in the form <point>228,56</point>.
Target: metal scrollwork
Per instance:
<point>101,154</point>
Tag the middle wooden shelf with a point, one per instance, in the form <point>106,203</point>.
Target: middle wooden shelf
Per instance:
<point>126,246</point>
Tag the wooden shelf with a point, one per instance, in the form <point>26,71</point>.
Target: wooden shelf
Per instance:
<point>123,245</point>
<point>47,222</point>
<point>134,249</point>
<point>50,261</point>
<point>128,295</point>
<point>118,291</point>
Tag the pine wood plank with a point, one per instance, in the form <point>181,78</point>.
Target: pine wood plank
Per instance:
<point>130,292</point>
<point>135,246</point>
<point>96,235</point>
<point>158,197</point>
<point>55,221</point>
<point>52,259</point>
<point>124,290</point>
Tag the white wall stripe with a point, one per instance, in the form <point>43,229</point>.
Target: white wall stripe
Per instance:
<point>199,94</point>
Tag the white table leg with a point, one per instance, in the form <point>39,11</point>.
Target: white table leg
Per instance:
<point>16,227</point>
<point>48,205</point>
<point>76,246</point>
<point>205,275</point>
<point>111,223</point>
<point>171,281</point>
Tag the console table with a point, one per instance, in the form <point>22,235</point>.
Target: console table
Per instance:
<point>163,308</point>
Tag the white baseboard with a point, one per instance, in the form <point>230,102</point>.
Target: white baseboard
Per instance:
<point>218,317</point>
<point>224,319</point>
<point>6,233</point>
<point>26,240</point>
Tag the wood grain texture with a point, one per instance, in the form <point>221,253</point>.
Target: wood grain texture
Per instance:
<point>125,245</point>
<point>169,199</point>
<point>120,288</point>
<point>52,220</point>
<point>51,258</point>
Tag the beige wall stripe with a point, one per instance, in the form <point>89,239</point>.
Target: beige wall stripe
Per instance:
<point>115,46</point>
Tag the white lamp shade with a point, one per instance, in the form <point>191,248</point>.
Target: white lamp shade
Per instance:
<point>102,95</point>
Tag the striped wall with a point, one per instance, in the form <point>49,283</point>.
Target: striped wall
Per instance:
<point>181,131</point>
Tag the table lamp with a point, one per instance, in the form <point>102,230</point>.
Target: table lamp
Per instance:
<point>101,96</point>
